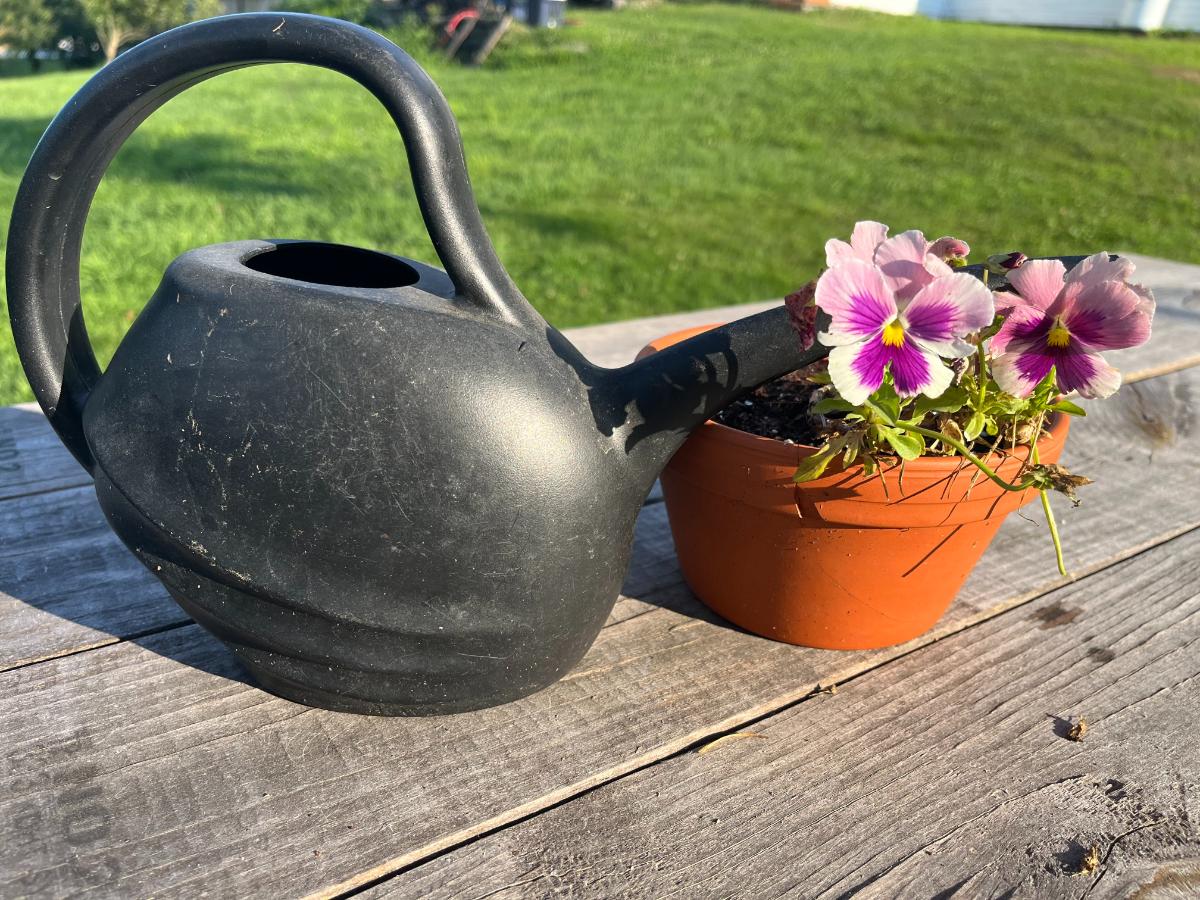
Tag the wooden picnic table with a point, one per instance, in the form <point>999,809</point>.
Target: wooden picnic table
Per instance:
<point>682,757</point>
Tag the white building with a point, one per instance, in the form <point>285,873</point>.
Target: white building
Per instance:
<point>1139,15</point>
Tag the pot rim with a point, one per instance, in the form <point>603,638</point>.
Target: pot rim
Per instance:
<point>785,453</point>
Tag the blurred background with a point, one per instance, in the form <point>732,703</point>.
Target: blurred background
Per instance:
<point>635,158</point>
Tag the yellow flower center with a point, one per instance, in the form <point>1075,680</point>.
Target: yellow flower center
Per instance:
<point>1058,336</point>
<point>893,334</point>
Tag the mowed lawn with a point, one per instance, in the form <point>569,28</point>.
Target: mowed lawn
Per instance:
<point>666,158</point>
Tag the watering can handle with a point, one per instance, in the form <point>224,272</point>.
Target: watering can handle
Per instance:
<point>54,197</point>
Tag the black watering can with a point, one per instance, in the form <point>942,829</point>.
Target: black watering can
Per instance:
<point>389,489</point>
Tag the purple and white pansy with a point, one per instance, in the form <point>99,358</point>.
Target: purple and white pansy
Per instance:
<point>896,306</point>
<point>1061,320</point>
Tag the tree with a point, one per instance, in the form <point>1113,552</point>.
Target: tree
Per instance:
<point>120,22</point>
<point>75,35</point>
<point>26,25</point>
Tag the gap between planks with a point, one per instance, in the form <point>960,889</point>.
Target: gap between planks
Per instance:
<point>654,498</point>
<point>1127,436</point>
<point>955,763</point>
<point>681,745</point>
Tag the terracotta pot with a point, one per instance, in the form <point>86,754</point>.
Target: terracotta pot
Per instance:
<point>837,562</point>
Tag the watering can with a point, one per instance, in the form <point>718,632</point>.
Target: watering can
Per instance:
<point>390,489</point>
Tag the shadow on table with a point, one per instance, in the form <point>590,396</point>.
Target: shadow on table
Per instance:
<point>60,556</point>
<point>667,589</point>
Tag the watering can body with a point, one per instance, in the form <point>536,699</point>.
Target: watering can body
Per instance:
<point>388,488</point>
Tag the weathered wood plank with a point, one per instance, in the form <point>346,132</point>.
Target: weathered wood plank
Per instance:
<point>205,780</point>
<point>944,772</point>
<point>67,584</point>
<point>32,459</point>
<point>45,625</point>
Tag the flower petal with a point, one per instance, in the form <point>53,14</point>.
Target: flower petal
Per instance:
<point>946,310</point>
<point>838,252</point>
<point>1039,281</point>
<point>1099,267</point>
<point>916,370</point>
<point>857,369</point>
<point>1021,324</point>
<point>902,260</point>
<point>856,299</point>
<point>945,248</point>
<point>1008,300</point>
<point>866,239</point>
<point>1086,373</point>
<point>1107,316</point>
<point>1146,302</point>
<point>1020,370</point>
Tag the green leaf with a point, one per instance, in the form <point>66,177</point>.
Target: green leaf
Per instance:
<point>1066,406</point>
<point>906,445</point>
<point>887,409</point>
<point>952,400</point>
<point>820,378</point>
<point>975,426</point>
<point>833,404</point>
<point>813,467</point>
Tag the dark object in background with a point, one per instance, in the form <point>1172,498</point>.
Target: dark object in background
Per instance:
<point>389,489</point>
<point>470,36</point>
<point>545,13</point>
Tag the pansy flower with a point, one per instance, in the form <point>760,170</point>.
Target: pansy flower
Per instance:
<point>951,251</point>
<point>1062,320</point>
<point>905,321</point>
<point>867,236</point>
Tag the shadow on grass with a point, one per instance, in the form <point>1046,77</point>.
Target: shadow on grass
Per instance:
<point>207,161</point>
<point>583,227</point>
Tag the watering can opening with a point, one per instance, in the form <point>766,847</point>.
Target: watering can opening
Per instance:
<point>316,262</point>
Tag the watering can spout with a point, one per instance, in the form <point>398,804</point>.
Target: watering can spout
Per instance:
<point>661,397</point>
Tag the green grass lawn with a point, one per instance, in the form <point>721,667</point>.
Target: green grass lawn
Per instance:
<point>666,158</point>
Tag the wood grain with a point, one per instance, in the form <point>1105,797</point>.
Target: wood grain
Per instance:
<point>949,771</point>
<point>32,459</point>
<point>149,766</point>
<point>198,778</point>
<point>103,596</point>
<point>67,584</point>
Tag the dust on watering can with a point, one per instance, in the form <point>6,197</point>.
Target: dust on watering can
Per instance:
<point>389,489</point>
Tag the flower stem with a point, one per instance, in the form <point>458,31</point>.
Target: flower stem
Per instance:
<point>1058,551</point>
<point>980,368</point>
<point>967,454</point>
<point>1008,486</point>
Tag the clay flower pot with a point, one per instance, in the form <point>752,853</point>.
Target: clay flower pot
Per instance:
<point>835,563</point>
